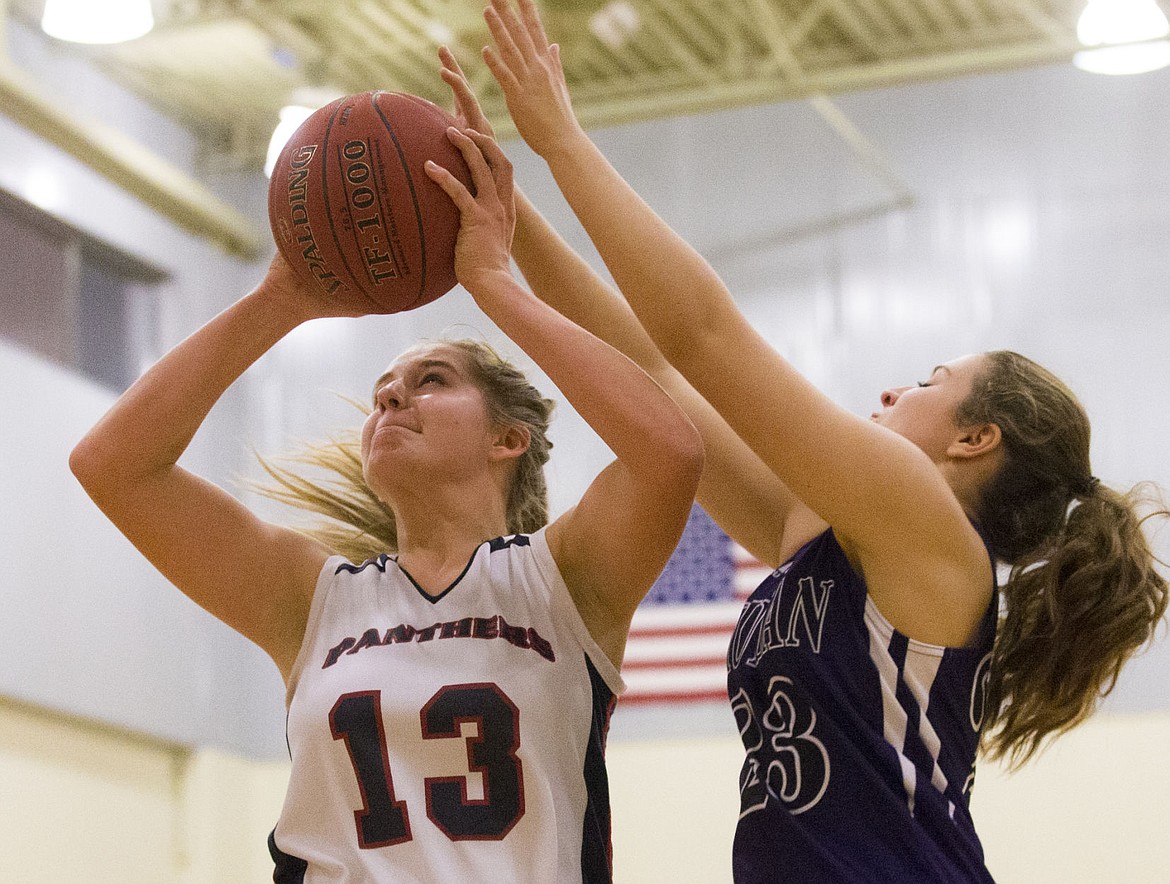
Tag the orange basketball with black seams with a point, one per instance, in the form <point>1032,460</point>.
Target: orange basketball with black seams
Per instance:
<point>354,213</point>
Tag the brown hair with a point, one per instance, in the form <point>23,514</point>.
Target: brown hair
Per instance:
<point>1083,594</point>
<point>358,525</point>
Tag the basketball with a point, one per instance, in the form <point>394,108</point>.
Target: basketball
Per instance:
<point>352,210</point>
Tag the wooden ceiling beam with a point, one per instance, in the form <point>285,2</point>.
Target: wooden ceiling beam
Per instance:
<point>804,24</point>
<point>941,17</point>
<point>718,19</point>
<point>646,84</point>
<point>411,15</point>
<point>972,13</point>
<point>288,34</point>
<point>703,42</point>
<point>414,52</point>
<point>607,58</point>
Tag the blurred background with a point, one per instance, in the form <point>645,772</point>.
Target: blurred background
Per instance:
<point>884,185</point>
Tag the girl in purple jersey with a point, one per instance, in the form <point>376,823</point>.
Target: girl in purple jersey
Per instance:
<point>867,671</point>
<point>453,451</point>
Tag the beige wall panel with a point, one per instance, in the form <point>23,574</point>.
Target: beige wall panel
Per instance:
<point>83,804</point>
<point>229,806</point>
<point>1094,807</point>
<point>93,804</point>
<point>675,803</point>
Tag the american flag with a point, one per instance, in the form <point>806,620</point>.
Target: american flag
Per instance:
<point>677,652</point>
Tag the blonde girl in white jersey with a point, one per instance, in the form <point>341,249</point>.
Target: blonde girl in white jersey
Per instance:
<point>441,455</point>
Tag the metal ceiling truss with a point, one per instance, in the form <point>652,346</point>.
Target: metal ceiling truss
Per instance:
<point>226,67</point>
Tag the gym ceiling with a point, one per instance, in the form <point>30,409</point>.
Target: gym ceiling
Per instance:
<point>224,68</point>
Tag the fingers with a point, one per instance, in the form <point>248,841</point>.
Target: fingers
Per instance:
<point>503,74</point>
<point>532,23</point>
<point>451,186</point>
<point>521,37</point>
<point>497,161</point>
<point>466,103</point>
<point>509,52</point>
<point>522,46</point>
<point>491,172</point>
<point>449,61</point>
<point>452,74</point>
<point>481,174</point>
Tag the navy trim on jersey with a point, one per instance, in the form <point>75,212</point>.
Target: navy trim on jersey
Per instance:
<point>596,841</point>
<point>433,599</point>
<point>288,869</point>
<point>498,543</point>
<point>379,562</point>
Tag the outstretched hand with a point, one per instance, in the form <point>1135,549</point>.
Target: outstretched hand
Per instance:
<point>467,107</point>
<point>487,219</point>
<point>528,69</point>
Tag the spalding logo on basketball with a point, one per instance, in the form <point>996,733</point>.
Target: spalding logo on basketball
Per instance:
<point>352,210</point>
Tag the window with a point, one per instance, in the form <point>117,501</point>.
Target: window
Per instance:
<point>73,299</point>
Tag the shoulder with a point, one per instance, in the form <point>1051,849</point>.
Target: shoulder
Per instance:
<point>938,596</point>
<point>528,558</point>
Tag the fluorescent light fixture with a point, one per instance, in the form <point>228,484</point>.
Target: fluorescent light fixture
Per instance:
<point>1111,23</point>
<point>1136,59</point>
<point>97,21</point>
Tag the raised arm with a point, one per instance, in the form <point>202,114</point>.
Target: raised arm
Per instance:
<point>613,544</point>
<point>746,498</point>
<point>737,489</point>
<point>256,577</point>
<point>886,500</point>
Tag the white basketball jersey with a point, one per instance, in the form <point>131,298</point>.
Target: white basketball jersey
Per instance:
<point>450,739</point>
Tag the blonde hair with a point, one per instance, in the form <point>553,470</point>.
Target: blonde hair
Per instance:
<point>357,524</point>
<point>1083,594</point>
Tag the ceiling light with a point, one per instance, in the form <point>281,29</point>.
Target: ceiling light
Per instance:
<point>1128,33</point>
<point>43,187</point>
<point>439,32</point>
<point>614,23</point>
<point>291,117</point>
<point>302,103</point>
<point>97,21</point>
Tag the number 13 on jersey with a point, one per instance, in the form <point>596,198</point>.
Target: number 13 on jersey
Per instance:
<point>383,820</point>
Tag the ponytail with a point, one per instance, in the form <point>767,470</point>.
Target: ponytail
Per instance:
<point>357,525</point>
<point>1083,595</point>
<point>1073,615</point>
